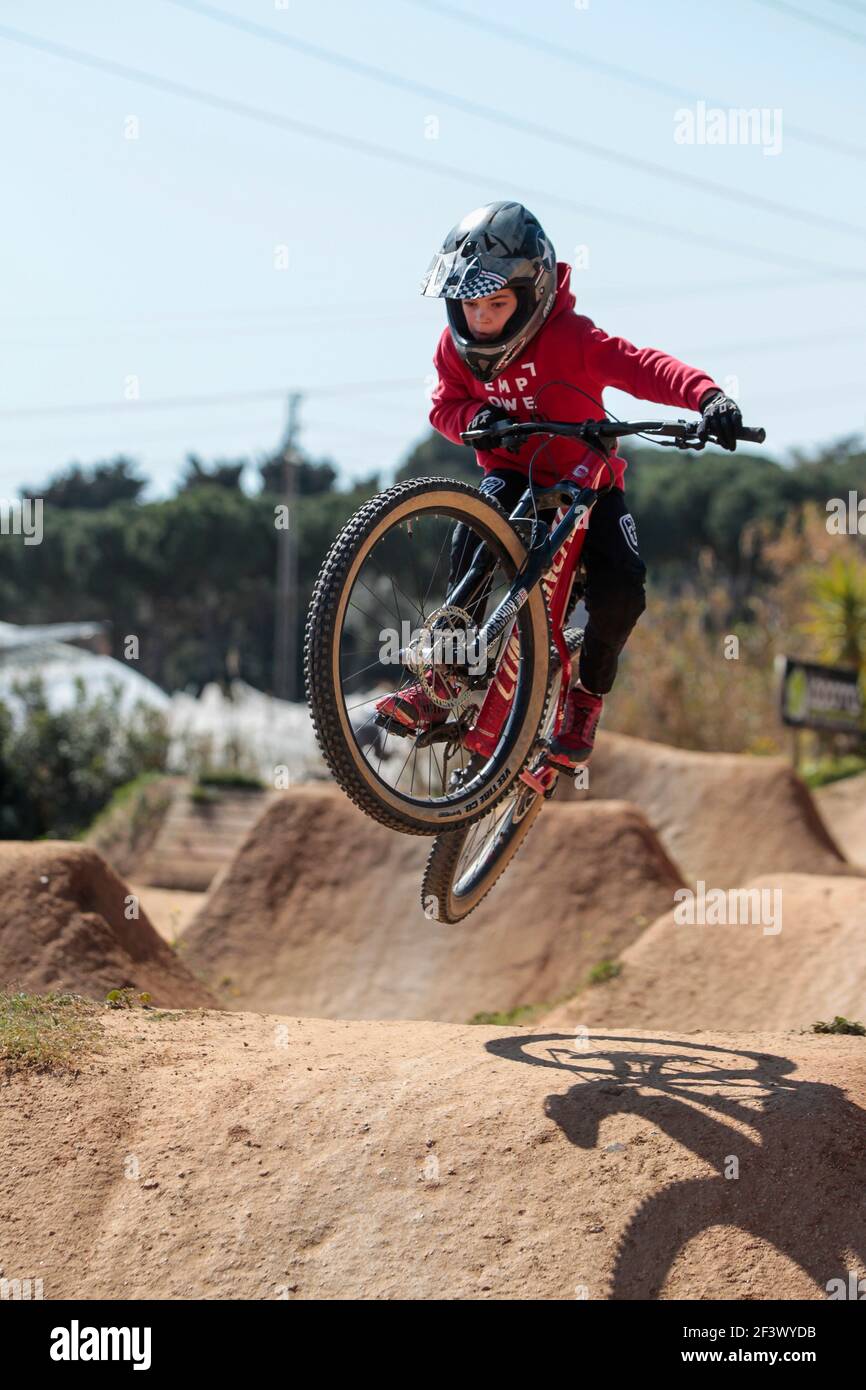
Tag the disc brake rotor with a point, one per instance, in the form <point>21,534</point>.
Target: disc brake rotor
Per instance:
<point>426,657</point>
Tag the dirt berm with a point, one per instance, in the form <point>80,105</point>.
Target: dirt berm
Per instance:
<point>742,974</point>
<point>843,806</point>
<point>320,914</point>
<point>722,817</point>
<point>233,1156</point>
<point>63,926</point>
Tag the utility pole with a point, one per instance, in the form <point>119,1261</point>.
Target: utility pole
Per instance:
<point>286,623</point>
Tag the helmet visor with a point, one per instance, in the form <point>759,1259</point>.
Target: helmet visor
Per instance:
<point>452,275</point>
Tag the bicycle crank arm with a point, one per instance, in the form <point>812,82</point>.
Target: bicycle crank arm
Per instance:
<point>440,733</point>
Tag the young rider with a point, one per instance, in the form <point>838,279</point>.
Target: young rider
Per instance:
<point>514,349</point>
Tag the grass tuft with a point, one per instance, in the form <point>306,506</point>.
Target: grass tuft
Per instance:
<point>46,1032</point>
<point>522,1013</point>
<point>604,971</point>
<point>840,1025</point>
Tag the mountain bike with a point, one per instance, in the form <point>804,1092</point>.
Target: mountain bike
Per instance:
<point>384,615</point>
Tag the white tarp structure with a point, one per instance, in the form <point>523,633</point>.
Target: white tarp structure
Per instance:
<point>262,733</point>
<point>243,728</point>
<point>45,652</point>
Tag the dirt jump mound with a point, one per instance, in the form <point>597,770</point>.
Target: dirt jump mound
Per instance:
<point>742,974</point>
<point>319,914</point>
<point>63,927</point>
<point>722,817</point>
<point>843,806</point>
<point>312,1159</point>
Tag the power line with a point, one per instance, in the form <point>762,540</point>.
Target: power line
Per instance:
<point>594,64</point>
<point>518,123</point>
<point>243,330</point>
<point>366,147</point>
<point>283,319</point>
<point>358,388</point>
<point>852,5</point>
<point>360,312</point>
<point>222,398</point>
<point>827,25</point>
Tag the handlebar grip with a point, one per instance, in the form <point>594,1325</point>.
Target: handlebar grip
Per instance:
<point>751,436</point>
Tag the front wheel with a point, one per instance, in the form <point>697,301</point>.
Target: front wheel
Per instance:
<point>464,864</point>
<point>383,586</point>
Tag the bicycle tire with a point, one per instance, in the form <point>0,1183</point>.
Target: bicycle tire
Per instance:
<point>331,722</point>
<point>439,899</point>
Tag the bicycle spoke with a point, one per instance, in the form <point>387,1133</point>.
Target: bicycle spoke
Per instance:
<point>374,595</point>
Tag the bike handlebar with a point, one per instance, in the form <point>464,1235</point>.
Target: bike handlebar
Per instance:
<point>688,434</point>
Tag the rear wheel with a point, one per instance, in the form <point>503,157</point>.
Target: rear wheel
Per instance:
<point>384,581</point>
<point>465,863</point>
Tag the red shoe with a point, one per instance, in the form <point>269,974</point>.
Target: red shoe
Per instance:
<point>576,739</point>
<point>412,706</point>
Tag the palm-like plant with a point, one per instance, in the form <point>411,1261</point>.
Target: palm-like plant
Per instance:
<point>837,611</point>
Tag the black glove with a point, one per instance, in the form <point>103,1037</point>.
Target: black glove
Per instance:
<point>486,417</point>
<point>721,420</point>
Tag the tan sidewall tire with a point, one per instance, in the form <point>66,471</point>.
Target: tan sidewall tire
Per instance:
<point>336,737</point>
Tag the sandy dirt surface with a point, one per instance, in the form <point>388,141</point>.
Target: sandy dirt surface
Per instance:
<point>320,914</point>
<point>734,975</point>
<point>64,926</point>
<point>722,817</point>
<point>170,909</point>
<point>235,1156</point>
<point>843,806</point>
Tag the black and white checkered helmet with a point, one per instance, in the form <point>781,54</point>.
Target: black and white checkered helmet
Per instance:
<point>495,246</point>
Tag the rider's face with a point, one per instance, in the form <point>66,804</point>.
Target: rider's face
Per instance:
<point>487,317</point>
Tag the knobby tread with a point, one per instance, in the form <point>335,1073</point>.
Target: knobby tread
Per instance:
<point>442,862</point>
<point>324,603</point>
<point>446,849</point>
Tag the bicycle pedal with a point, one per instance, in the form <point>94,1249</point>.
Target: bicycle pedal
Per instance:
<point>537,780</point>
<point>566,769</point>
<point>393,726</point>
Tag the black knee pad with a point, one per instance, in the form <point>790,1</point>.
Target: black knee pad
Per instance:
<point>615,608</point>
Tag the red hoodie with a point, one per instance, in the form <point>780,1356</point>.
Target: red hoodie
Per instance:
<point>567,348</point>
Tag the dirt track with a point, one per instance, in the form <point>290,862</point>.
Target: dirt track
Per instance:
<point>319,914</point>
<point>722,817</point>
<point>63,926</point>
<point>735,975</point>
<point>843,807</point>
<point>235,1156</point>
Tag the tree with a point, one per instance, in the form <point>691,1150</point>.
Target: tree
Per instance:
<point>312,476</point>
<point>93,487</point>
<point>436,456</point>
<point>225,473</point>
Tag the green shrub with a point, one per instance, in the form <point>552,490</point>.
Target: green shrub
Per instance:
<point>605,970</point>
<point>231,779</point>
<point>840,1025</point>
<point>826,770</point>
<point>58,769</point>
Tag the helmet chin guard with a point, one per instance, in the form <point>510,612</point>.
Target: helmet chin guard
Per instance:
<point>501,245</point>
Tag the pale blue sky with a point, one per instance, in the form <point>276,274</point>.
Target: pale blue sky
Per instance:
<point>154,258</point>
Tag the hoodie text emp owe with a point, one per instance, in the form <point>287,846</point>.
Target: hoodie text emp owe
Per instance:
<point>567,351</point>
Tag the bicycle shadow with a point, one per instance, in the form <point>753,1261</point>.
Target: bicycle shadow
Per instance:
<point>801,1177</point>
